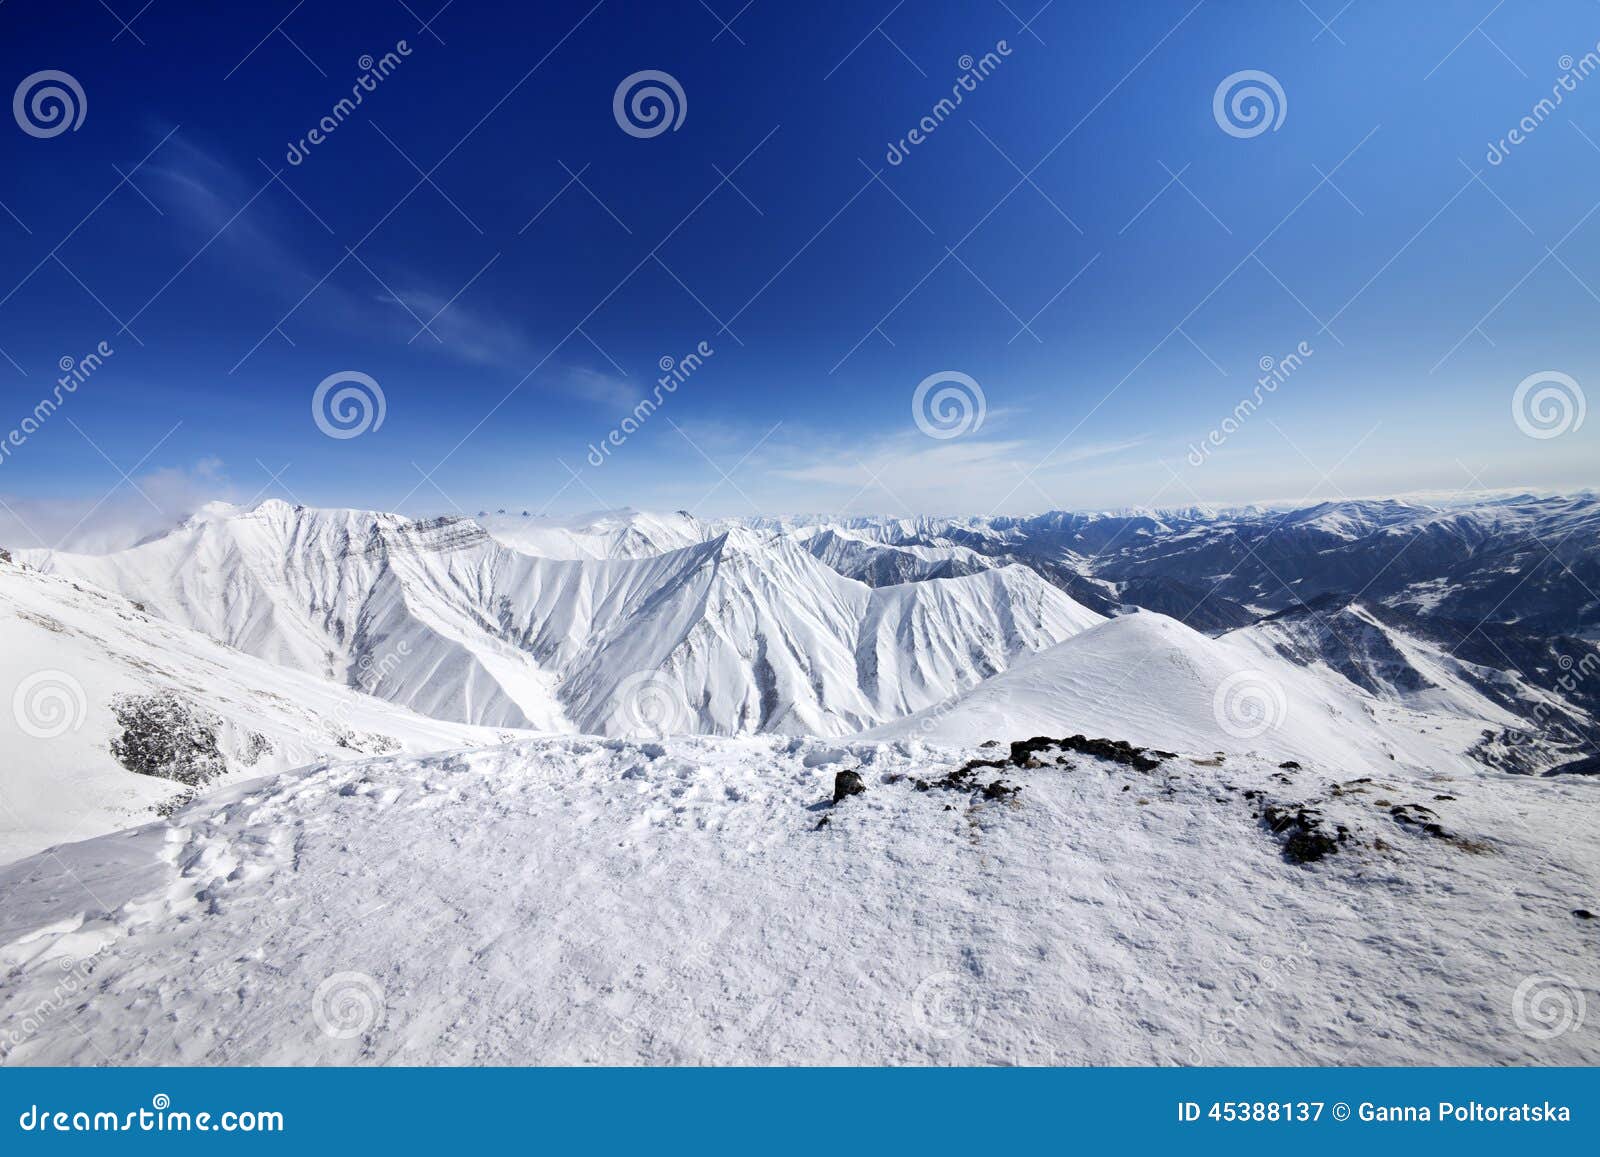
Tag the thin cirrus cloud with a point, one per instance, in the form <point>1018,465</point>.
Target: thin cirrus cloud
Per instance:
<point>911,474</point>
<point>205,194</point>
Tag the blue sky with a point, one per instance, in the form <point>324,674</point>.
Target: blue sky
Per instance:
<point>1084,187</point>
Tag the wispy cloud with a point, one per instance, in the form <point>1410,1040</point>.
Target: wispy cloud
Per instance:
<point>155,502</point>
<point>912,474</point>
<point>204,193</point>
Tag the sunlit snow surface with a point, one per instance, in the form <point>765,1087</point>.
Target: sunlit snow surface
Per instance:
<point>697,899</point>
<point>605,901</point>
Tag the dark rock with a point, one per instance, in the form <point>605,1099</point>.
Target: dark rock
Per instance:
<point>1583,914</point>
<point>999,789</point>
<point>1305,838</point>
<point>822,823</point>
<point>1289,765</point>
<point>168,737</point>
<point>1589,765</point>
<point>168,808</point>
<point>1308,847</point>
<point>1415,815</point>
<point>847,783</point>
<point>1022,750</point>
<point>1111,750</point>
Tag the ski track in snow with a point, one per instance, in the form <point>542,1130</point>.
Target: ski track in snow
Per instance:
<point>588,901</point>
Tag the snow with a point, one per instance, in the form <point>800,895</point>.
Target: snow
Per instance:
<point>749,633</point>
<point>1151,680</point>
<point>68,651</point>
<point>603,901</point>
<point>614,534</point>
<point>413,876</point>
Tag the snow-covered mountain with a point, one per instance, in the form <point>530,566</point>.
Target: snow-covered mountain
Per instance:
<point>109,711</point>
<point>1536,715</point>
<point>1528,560</point>
<point>624,622</point>
<point>1015,883</point>
<point>1151,680</point>
<point>612,534</point>
<point>877,565</point>
<point>734,633</point>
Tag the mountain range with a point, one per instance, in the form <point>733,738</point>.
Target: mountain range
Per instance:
<point>516,755</point>
<point>1350,641</point>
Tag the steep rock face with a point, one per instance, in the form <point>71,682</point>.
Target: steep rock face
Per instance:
<point>737,632</point>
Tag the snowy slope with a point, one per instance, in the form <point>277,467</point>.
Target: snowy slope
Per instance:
<point>1517,688</point>
<point>70,656</point>
<point>1357,645</point>
<point>1153,680</point>
<point>740,632</point>
<point>613,534</point>
<point>877,565</point>
<point>591,901</point>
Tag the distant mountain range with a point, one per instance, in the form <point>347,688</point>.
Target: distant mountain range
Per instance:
<point>336,786</point>
<point>1357,632</point>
